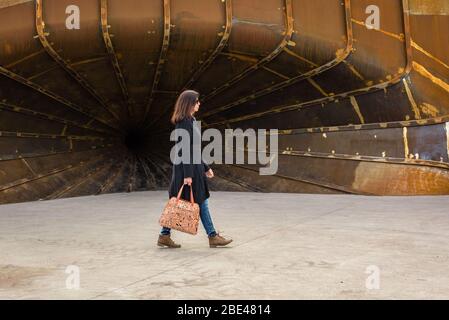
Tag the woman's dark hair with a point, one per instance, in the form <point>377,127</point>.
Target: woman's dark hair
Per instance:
<point>184,105</point>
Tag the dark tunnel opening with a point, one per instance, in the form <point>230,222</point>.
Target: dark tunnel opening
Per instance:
<point>135,141</point>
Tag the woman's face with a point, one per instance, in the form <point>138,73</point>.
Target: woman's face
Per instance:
<point>196,107</point>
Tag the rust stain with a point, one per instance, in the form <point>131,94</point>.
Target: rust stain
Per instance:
<point>10,3</point>
<point>240,57</point>
<point>375,178</point>
<point>428,54</point>
<point>412,100</point>
<point>400,37</point>
<point>283,132</point>
<point>7,48</point>
<point>406,149</point>
<point>429,7</point>
<point>340,53</point>
<point>429,109</point>
<point>357,109</point>
<point>425,73</point>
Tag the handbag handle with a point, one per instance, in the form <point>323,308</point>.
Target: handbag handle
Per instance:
<point>191,193</point>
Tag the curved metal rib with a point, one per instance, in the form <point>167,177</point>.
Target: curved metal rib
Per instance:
<point>111,52</point>
<point>265,60</point>
<point>278,86</point>
<point>370,89</point>
<point>45,116</point>
<point>52,95</point>
<point>410,162</point>
<point>208,62</point>
<point>162,56</point>
<point>369,126</point>
<point>223,42</point>
<point>40,27</point>
<point>314,183</point>
<point>19,182</point>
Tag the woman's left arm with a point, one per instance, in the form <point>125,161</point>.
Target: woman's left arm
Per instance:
<point>206,167</point>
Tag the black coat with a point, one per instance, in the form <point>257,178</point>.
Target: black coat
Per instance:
<point>185,170</point>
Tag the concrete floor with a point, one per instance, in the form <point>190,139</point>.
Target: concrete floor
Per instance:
<point>286,246</point>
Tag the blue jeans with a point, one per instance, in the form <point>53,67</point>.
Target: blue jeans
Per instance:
<point>206,220</point>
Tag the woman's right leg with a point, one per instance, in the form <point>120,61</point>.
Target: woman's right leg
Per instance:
<point>165,231</point>
<point>206,219</point>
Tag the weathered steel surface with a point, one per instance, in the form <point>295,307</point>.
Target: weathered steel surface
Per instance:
<point>361,110</point>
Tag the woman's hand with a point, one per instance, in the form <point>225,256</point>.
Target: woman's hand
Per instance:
<point>210,173</point>
<point>188,181</point>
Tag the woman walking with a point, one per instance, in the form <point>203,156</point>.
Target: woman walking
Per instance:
<point>190,174</point>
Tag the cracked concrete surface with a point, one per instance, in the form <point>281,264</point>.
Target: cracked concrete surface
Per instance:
<point>286,246</point>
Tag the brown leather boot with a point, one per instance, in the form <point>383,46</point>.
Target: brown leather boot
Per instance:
<point>218,240</point>
<point>166,241</point>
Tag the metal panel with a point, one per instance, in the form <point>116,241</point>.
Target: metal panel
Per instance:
<point>86,111</point>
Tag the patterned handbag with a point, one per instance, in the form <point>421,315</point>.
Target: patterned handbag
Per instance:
<point>180,214</point>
